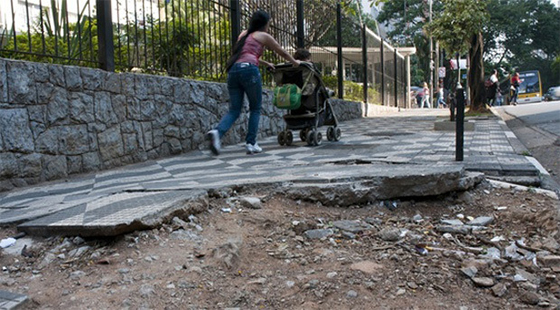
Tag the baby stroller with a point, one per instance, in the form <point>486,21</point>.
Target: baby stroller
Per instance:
<point>315,109</point>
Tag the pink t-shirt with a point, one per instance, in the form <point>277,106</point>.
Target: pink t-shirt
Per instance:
<point>251,52</point>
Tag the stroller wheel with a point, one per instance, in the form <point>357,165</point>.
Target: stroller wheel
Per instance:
<point>303,135</point>
<point>314,137</point>
<point>330,134</point>
<point>309,138</point>
<point>337,134</point>
<point>318,137</point>
<point>281,138</point>
<point>288,138</point>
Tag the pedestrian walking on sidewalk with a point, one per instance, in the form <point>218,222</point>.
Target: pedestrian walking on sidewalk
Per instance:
<point>244,78</point>
<point>441,98</point>
<point>515,82</point>
<point>426,98</point>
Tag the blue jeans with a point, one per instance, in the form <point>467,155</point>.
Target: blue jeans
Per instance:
<point>243,79</point>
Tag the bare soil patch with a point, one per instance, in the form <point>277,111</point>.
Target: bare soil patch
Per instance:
<point>263,259</point>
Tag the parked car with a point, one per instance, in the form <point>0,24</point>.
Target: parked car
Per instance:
<point>552,94</point>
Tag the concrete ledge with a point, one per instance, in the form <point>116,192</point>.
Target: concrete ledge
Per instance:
<point>11,301</point>
<point>446,125</point>
<point>370,109</point>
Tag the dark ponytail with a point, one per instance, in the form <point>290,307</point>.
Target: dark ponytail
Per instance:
<point>258,22</point>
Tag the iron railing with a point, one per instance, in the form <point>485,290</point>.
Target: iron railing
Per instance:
<point>193,39</point>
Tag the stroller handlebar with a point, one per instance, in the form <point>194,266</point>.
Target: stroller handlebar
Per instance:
<point>306,64</point>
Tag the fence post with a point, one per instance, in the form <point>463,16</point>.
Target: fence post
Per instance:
<point>364,59</point>
<point>105,35</point>
<point>235,19</point>
<point>300,25</point>
<point>396,67</point>
<point>339,50</point>
<point>382,59</point>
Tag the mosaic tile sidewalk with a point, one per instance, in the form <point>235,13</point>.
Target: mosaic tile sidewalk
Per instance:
<point>405,139</point>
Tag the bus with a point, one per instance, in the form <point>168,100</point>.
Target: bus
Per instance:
<point>530,89</point>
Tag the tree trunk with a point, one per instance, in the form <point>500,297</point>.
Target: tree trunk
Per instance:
<point>476,74</point>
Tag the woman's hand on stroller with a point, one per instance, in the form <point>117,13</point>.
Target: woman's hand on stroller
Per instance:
<point>270,68</point>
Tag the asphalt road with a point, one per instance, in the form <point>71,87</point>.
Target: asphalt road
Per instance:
<point>537,126</point>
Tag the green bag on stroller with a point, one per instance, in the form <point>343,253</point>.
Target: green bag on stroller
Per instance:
<point>287,96</point>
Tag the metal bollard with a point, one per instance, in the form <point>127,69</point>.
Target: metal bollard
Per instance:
<point>459,125</point>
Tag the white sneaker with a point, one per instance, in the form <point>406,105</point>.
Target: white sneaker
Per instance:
<point>253,148</point>
<point>214,141</point>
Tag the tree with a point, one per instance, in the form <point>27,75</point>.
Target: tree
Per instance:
<point>459,30</point>
<point>407,19</point>
<point>524,34</point>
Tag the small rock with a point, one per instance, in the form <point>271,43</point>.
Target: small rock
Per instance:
<point>146,291</point>
<point>77,275</point>
<point>390,234</point>
<point>258,281</point>
<point>318,233</point>
<point>469,271</point>
<point>528,286</point>
<point>551,244</point>
<point>78,240</point>
<point>462,229</point>
<point>499,290</point>
<point>352,294</point>
<point>79,251</point>
<point>412,285</point>
<point>47,260</point>
<point>186,235</point>
<point>550,261</point>
<point>417,218</point>
<point>251,202</point>
<point>331,275</point>
<point>351,226</point>
<point>530,298</point>
<point>179,223</point>
<point>483,281</point>
<point>492,253</point>
<point>452,222</point>
<point>400,291</point>
<point>290,284</point>
<point>526,276</point>
<point>481,221</point>
<point>348,235</point>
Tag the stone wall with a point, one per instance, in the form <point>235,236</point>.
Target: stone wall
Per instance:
<point>60,120</point>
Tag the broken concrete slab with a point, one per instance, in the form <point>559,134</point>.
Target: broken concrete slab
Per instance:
<point>118,214</point>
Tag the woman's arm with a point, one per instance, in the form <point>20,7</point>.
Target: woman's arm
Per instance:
<point>268,41</point>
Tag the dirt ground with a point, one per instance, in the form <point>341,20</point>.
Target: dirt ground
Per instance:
<point>236,257</point>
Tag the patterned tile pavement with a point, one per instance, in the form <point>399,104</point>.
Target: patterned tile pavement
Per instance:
<point>404,140</point>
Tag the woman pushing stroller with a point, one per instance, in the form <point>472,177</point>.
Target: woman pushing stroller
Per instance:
<point>244,78</point>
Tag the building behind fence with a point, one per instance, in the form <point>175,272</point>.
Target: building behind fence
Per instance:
<point>193,39</point>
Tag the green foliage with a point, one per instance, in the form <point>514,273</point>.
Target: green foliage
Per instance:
<point>45,48</point>
<point>54,40</point>
<point>352,91</point>
<point>457,23</point>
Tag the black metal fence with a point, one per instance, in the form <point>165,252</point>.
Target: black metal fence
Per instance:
<point>193,39</point>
